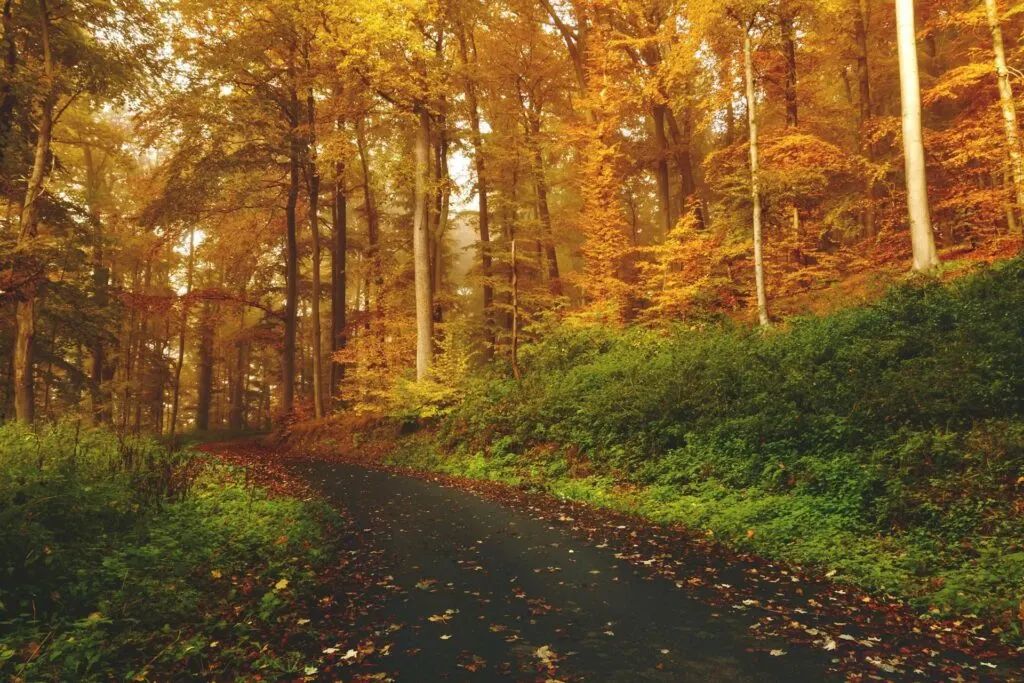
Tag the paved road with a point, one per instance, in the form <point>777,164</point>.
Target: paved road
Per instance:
<point>484,588</point>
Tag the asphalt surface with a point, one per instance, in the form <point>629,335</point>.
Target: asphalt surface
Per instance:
<point>483,592</point>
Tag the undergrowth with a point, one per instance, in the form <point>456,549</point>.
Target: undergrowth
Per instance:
<point>884,443</point>
<point>120,559</point>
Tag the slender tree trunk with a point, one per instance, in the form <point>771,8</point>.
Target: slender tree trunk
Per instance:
<point>515,313</point>
<point>442,206</point>
<point>1011,215</point>
<point>236,410</point>
<point>661,169</point>
<point>99,393</point>
<point>126,353</point>
<point>540,184</point>
<point>291,266</point>
<point>421,250</point>
<point>923,241</point>
<point>1008,105</point>
<point>314,226</point>
<point>142,361</point>
<point>369,206</point>
<point>25,309</point>
<point>467,46</point>
<point>339,293</point>
<point>755,180</point>
<point>864,88</point>
<point>185,306</point>
<point>204,390</point>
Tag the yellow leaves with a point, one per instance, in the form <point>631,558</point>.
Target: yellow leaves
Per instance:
<point>546,655</point>
<point>959,81</point>
<point>216,574</point>
<point>281,585</point>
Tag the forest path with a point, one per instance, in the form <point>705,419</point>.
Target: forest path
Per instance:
<point>486,592</point>
<point>451,579</point>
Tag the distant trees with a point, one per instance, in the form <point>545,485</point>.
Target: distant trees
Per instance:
<point>650,161</point>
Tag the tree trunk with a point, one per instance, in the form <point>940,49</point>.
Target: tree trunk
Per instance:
<point>683,139</point>
<point>661,169</point>
<point>864,87</point>
<point>923,241</point>
<point>540,184</point>
<point>291,266</point>
<point>236,410</point>
<point>185,305</point>
<point>515,314</point>
<point>442,206</point>
<point>421,249</point>
<point>99,392</point>
<point>205,379</point>
<point>467,45</point>
<point>369,207</point>
<point>755,180</point>
<point>339,293</point>
<point>313,181</point>
<point>1008,105</point>
<point>28,230</point>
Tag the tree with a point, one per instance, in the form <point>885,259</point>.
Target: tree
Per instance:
<point>923,241</point>
<point>755,173</point>
<point>28,227</point>
<point>1007,104</point>
<point>65,63</point>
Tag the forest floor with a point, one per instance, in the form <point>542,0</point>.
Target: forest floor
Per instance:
<point>470,580</point>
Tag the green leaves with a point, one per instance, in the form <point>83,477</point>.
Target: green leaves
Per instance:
<point>104,571</point>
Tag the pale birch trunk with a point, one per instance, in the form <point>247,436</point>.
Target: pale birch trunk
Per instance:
<point>1009,107</point>
<point>421,250</point>
<point>922,240</point>
<point>755,180</point>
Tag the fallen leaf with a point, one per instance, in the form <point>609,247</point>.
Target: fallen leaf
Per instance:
<point>545,654</point>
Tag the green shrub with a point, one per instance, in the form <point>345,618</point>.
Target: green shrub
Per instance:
<point>117,556</point>
<point>887,441</point>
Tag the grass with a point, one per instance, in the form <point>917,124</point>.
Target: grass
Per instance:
<point>119,559</point>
